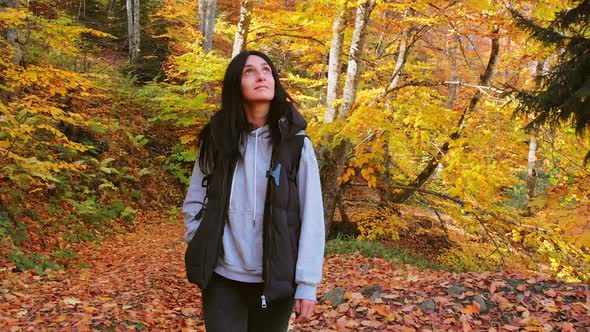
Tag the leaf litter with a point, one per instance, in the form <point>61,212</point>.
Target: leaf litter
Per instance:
<point>137,282</point>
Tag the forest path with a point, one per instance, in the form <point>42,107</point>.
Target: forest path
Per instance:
<point>131,282</point>
<point>137,281</point>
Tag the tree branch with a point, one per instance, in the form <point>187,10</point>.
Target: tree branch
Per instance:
<point>323,43</point>
<point>462,203</point>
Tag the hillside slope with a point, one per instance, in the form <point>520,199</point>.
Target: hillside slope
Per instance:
<point>136,281</point>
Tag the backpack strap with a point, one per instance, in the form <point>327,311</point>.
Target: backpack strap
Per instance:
<point>204,183</point>
<point>295,149</point>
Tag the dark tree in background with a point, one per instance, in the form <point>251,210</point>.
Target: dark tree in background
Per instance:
<point>564,95</point>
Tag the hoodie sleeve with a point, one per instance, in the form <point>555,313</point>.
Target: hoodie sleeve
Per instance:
<point>193,203</point>
<point>312,240</point>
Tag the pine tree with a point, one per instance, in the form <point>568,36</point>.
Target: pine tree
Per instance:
<point>564,96</point>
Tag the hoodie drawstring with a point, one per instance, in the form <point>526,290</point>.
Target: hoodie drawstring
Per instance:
<point>254,189</point>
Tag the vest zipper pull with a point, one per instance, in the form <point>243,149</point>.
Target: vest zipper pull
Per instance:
<point>263,298</point>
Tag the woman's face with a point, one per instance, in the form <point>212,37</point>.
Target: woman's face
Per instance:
<point>258,84</point>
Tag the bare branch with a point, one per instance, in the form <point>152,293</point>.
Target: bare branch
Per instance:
<point>462,203</point>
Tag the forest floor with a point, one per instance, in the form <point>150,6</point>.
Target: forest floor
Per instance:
<point>136,281</point>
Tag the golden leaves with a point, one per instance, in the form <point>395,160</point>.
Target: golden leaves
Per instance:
<point>10,17</point>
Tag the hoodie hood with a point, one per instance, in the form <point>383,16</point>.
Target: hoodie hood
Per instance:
<point>289,125</point>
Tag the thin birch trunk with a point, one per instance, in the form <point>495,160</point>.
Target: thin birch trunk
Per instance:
<point>136,29</point>
<point>355,61</point>
<point>454,78</point>
<point>110,8</point>
<point>532,163</point>
<point>531,182</point>
<point>81,10</point>
<point>202,16</point>
<point>12,34</point>
<point>334,63</point>
<point>321,76</point>
<point>241,37</point>
<point>209,25</point>
<point>332,163</point>
<point>130,30</point>
<point>400,62</point>
<point>133,29</point>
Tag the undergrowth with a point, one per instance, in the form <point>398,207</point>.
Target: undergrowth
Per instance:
<point>344,244</point>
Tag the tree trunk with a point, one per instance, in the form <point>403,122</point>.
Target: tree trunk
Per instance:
<point>330,169</point>
<point>334,65</point>
<point>11,34</point>
<point>432,165</point>
<point>202,16</point>
<point>209,25</point>
<point>400,62</point>
<point>136,29</point>
<point>331,166</point>
<point>385,195</point>
<point>452,53</point>
<point>355,60</point>
<point>531,182</point>
<point>110,8</point>
<point>130,31</point>
<point>81,10</point>
<point>243,27</point>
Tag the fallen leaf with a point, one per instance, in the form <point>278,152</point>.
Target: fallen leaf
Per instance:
<point>473,308</point>
<point>550,292</point>
<point>510,327</point>
<point>70,301</point>
<point>372,323</point>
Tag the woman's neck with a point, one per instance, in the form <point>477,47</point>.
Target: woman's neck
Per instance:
<point>257,113</point>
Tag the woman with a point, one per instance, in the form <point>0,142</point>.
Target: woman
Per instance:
<point>256,244</point>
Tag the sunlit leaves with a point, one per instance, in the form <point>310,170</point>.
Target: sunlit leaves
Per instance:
<point>10,17</point>
<point>480,179</point>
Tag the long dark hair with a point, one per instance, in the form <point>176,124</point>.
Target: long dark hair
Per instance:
<point>225,132</point>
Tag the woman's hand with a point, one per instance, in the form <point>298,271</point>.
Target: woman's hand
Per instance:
<point>303,310</point>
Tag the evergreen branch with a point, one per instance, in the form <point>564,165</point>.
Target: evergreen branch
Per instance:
<point>547,36</point>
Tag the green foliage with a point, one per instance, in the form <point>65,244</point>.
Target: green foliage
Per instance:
<point>369,248</point>
<point>185,106</point>
<point>565,93</point>
<point>35,261</point>
<point>63,257</point>
<point>93,212</point>
<point>138,140</point>
<point>12,231</point>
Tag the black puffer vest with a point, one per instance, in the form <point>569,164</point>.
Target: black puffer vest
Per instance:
<point>282,221</point>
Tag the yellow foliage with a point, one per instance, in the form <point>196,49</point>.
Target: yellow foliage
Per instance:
<point>471,256</point>
<point>384,223</point>
<point>348,173</point>
<point>10,17</point>
<point>33,107</point>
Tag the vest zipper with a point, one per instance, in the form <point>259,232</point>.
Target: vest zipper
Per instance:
<point>267,270</point>
<point>268,240</point>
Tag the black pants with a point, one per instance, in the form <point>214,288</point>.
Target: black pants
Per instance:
<point>233,306</point>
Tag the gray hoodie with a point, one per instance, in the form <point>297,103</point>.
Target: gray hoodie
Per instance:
<point>242,237</point>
